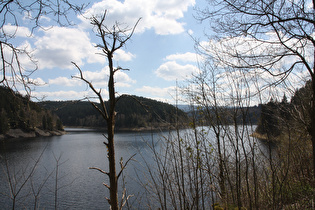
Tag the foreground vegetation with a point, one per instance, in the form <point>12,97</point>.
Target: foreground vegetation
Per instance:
<point>222,165</point>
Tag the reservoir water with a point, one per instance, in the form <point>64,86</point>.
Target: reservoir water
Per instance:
<point>60,174</point>
<point>78,187</point>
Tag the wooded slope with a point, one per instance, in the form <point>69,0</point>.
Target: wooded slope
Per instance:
<point>18,112</point>
<point>132,112</point>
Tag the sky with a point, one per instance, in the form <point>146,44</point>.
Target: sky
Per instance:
<point>159,55</point>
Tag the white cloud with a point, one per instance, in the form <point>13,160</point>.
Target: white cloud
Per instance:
<point>37,81</point>
<point>27,61</point>
<point>123,80</point>
<point>121,55</point>
<point>165,26</point>
<point>266,51</point>
<point>257,82</point>
<point>185,57</point>
<point>62,95</point>
<point>64,81</point>
<point>161,15</point>
<point>172,71</point>
<point>18,31</point>
<point>19,61</point>
<point>100,78</point>
<point>59,46</point>
<point>232,86</point>
<point>158,93</point>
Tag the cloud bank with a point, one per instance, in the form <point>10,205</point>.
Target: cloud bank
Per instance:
<point>178,67</point>
<point>161,15</point>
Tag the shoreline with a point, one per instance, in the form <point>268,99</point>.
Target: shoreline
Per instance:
<point>19,133</point>
<point>137,129</point>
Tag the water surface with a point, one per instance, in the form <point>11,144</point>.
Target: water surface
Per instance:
<point>78,187</point>
<point>62,176</point>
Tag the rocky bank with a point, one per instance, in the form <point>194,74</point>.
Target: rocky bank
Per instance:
<point>18,133</point>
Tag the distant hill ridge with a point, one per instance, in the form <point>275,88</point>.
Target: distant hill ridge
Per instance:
<point>133,112</point>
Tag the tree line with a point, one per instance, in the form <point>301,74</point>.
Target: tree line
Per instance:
<point>132,112</point>
<point>277,116</point>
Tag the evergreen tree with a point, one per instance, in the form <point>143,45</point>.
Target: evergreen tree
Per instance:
<point>269,119</point>
<point>4,124</point>
<point>44,123</point>
<point>59,125</point>
<point>50,125</point>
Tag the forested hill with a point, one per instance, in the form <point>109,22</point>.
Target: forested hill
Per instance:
<point>133,112</point>
<point>18,112</point>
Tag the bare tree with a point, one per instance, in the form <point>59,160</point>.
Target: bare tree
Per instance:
<point>26,184</point>
<point>112,39</point>
<point>23,183</point>
<point>274,36</point>
<point>218,162</point>
<point>243,171</point>
<point>12,15</point>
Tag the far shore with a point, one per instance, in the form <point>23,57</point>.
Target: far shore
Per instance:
<point>19,133</point>
<point>137,129</point>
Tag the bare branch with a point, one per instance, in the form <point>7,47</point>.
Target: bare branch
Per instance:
<point>124,166</point>
<point>13,71</point>
<point>122,43</point>
<point>100,170</point>
<point>120,68</point>
<point>98,93</point>
<point>106,185</point>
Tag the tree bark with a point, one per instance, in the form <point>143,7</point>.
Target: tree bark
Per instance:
<point>111,143</point>
<point>312,126</point>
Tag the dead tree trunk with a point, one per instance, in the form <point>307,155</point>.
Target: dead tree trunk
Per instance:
<point>311,129</point>
<point>113,39</point>
<point>110,137</point>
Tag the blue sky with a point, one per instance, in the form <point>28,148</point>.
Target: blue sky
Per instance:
<point>159,55</point>
<point>160,52</point>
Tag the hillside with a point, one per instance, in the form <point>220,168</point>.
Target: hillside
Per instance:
<point>133,112</point>
<point>19,115</point>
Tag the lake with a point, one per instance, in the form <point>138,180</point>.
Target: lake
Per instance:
<point>76,186</point>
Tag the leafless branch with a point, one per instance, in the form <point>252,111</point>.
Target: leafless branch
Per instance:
<point>13,72</point>
<point>103,112</point>
<point>100,170</point>
<point>123,166</point>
